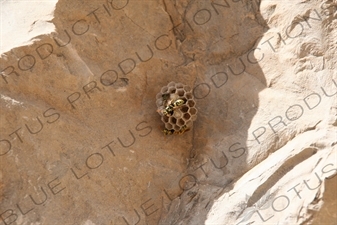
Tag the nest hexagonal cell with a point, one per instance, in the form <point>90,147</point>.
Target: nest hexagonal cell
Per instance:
<point>176,106</point>
<point>181,122</point>
<point>177,128</point>
<point>184,108</point>
<point>158,96</point>
<point>188,95</point>
<point>191,103</point>
<point>187,116</point>
<point>180,92</point>
<point>178,114</point>
<point>192,111</point>
<point>165,119</point>
<point>163,90</point>
<point>173,120</point>
<point>159,102</point>
<point>172,90</point>
<point>171,84</point>
<point>168,126</point>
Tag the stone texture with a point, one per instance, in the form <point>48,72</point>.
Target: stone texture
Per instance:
<point>82,143</point>
<point>22,21</point>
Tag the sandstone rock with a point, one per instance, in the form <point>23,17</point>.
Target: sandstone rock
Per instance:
<point>81,141</point>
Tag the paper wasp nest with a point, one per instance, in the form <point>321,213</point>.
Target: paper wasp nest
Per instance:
<point>176,106</point>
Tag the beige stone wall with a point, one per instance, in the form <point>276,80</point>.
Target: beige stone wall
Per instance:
<point>81,141</point>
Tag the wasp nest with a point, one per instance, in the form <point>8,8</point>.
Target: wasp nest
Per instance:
<point>176,107</point>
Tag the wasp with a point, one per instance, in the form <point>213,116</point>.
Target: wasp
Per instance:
<point>167,111</point>
<point>168,132</point>
<point>172,106</point>
<point>177,103</point>
<point>182,130</point>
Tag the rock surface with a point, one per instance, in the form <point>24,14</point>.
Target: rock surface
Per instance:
<point>81,141</point>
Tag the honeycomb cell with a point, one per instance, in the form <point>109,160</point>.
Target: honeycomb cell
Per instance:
<point>165,119</point>
<point>171,84</point>
<point>184,108</point>
<point>180,92</point>
<point>172,90</point>
<point>159,102</point>
<point>177,113</point>
<point>191,103</point>
<point>176,127</point>
<point>193,118</point>
<point>187,116</point>
<point>173,120</point>
<point>188,95</point>
<point>158,96</point>
<point>168,126</point>
<point>181,122</point>
<point>163,90</point>
<point>192,111</point>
